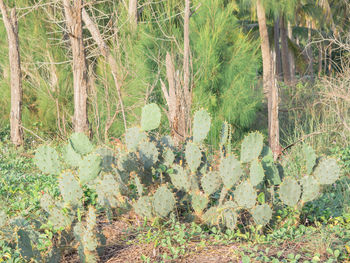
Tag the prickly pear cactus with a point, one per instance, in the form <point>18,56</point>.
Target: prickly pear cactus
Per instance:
<point>89,168</point>
<point>199,202</point>
<point>133,137</point>
<point>148,154</point>
<point>201,125</point>
<point>193,156</point>
<point>289,191</point>
<point>108,191</point>
<point>107,158</point>
<point>256,173</point>
<point>168,156</point>
<point>245,195</point>
<point>150,118</point>
<point>46,158</point>
<point>310,158</point>
<point>163,201</point>
<point>180,178</point>
<point>211,216</point>
<point>71,157</point>
<point>262,214</point>
<point>224,133</point>
<point>251,147</point>
<point>70,188</point>
<point>271,171</point>
<point>230,171</point>
<point>143,207</point>
<point>81,143</point>
<point>89,239</point>
<point>211,182</point>
<point>230,218</point>
<point>25,245</point>
<point>311,188</point>
<point>167,141</point>
<point>327,171</point>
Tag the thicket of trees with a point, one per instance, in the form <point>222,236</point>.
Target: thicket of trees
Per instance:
<point>90,66</point>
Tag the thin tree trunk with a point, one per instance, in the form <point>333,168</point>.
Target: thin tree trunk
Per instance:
<point>291,53</point>
<point>270,88</point>
<point>186,69</point>
<point>309,51</point>
<point>73,14</point>
<point>16,77</point>
<point>179,97</point>
<point>330,60</point>
<point>133,12</point>
<point>285,53</point>
<point>106,52</point>
<point>277,48</point>
<point>320,59</point>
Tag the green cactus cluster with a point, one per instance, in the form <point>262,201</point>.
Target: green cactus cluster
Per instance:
<point>152,177</point>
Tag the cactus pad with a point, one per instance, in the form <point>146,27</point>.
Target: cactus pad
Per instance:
<point>230,171</point>
<point>310,158</point>
<point>167,141</point>
<point>224,133</point>
<point>245,195</point>
<point>201,125</point>
<point>256,172</point>
<point>71,157</point>
<point>89,168</point>
<point>81,143</point>
<point>193,156</point>
<point>290,191</point>
<point>271,171</point>
<point>143,207</point>
<point>311,188</point>
<point>70,188</point>
<point>211,216</point>
<point>251,147</point>
<point>163,201</point>
<point>168,156</point>
<point>107,158</point>
<point>199,202</point>
<point>262,214</point>
<point>150,118</point>
<point>180,178</point>
<point>230,218</point>
<point>133,137</point>
<point>46,158</point>
<point>25,245</point>
<point>211,182</point>
<point>108,191</point>
<point>327,171</point>
<point>148,154</point>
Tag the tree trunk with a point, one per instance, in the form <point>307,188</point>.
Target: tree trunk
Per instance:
<point>73,14</point>
<point>330,61</point>
<point>277,48</point>
<point>309,51</point>
<point>179,97</point>
<point>270,88</point>
<point>285,53</point>
<point>291,54</point>
<point>16,76</point>
<point>105,51</point>
<point>320,59</point>
<point>133,12</point>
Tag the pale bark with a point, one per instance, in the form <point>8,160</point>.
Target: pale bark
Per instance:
<point>285,53</point>
<point>16,76</point>
<point>277,48</point>
<point>291,54</point>
<point>309,51</point>
<point>133,12</point>
<point>178,95</point>
<point>106,52</point>
<point>73,14</point>
<point>270,88</point>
